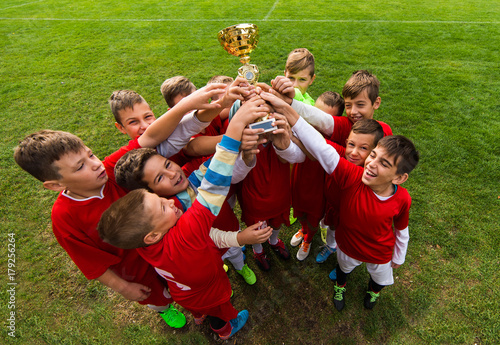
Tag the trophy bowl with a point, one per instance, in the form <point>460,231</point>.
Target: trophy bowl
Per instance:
<point>240,40</point>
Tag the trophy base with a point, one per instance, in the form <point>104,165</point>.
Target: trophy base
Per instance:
<point>267,125</point>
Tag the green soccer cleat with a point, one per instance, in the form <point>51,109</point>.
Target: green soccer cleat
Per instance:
<point>173,317</point>
<point>247,274</point>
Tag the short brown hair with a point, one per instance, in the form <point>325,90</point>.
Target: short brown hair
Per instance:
<point>37,152</point>
<point>359,81</point>
<point>124,224</point>
<point>123,99</point>
<point>405,154</point>
<point>369,126</point>
<point>129,170</point>
<point>174,86</point>
<point>333,100</point>
<point>221,79</point>
<point>298,60</point>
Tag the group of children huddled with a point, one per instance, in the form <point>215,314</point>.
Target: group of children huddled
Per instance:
<point>154,221</point>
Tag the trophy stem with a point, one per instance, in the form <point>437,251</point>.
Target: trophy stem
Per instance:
<point>245,59</point>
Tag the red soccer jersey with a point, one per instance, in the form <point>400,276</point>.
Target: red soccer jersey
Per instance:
<point>188,260</point>
<point>365,230</point>
<point>308,187</point>
<point>74,223</point>
<point>265,191</point>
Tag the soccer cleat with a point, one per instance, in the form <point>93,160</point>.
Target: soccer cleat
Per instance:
<point>371,299</point>
<point>303,251</point>
<point>297,238</point>
<point>199,320</point>
<point>333,274</point>
<point>225,267</point>
<point>173,317</point>
<point>324,253</point>
<point>236,324</point>
<point>338,297</point>
<point>262,261</point>
<point>291,217</point>
<point>281,249</point>
<point>247,274</point>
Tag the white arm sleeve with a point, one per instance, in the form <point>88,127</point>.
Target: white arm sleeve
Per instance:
<point>241,170</point>
<point>316,145</point>
<point>292,154</point>
<point>401,246</point>
<point>224,239</point>
<point>322,121</point>
<point>187,127</point>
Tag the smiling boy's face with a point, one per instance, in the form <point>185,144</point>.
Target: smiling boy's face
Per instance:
<point>164,177</point>
<point>380,173</point>
<point>358,147</point>
<point>134,121</point>
<point>360,107</point>
<point>162,212</point>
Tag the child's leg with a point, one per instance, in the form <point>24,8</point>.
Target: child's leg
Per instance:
<point>345,266</point>
<point>299,235</point>
<point>381,275</point>
<point>276,244</point>
<point>235,257</point>
<point>305,247</point>
<point>330,238</point>
<point>258,253</point>
<point>225,320</point>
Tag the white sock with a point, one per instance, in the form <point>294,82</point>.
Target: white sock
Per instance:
<point>274,237</point>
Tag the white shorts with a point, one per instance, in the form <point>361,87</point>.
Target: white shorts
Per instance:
<point>380,273</point>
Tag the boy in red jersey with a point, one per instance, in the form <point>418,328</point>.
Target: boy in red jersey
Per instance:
<point>361,96</point>
<point>363,138</point>
<point>87,187</point>
<point>178,244</point>
<point>372,196</point>
<point>264,196</point>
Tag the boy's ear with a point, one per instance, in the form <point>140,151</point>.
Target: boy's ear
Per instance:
<point>54,185</point>
<point>377,102</point>
<point>152,237</point>
<point>400,179</point>
<point>120,128</point>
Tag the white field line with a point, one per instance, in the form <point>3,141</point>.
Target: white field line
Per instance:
<point>271,10</point>
<point>250,20</point>
<point>28,3</point>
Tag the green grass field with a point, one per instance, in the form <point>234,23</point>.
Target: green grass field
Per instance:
<point>438,64</point>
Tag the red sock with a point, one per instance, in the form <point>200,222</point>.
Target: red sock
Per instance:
<point>224,331</point>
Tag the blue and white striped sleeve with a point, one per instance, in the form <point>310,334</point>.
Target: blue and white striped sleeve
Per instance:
<point>217,178</point>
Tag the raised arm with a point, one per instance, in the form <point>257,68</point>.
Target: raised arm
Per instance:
<point>217,180</point>
<point>161,129</point>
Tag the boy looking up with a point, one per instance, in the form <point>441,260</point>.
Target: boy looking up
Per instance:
<point>363,138</point>
<point>299,69</point>
<point>372,196</point>
<point>86,188</point>
<point>177,244</point>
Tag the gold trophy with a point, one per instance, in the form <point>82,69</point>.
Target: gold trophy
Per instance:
<point>240,40</point>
